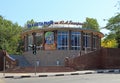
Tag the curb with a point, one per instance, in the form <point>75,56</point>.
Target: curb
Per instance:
<point>75,74</point>
<point>95,72</point>
<point>59,74</point>
<point>109,71</point>
<point>9,77</point>
<point>43,76</point>
<point>28,76</point>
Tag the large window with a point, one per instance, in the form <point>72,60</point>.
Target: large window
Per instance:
<point>86,40</point>
<point>75,40</point>
<point>62,40</point>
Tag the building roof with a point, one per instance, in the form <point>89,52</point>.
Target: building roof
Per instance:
<point>64,29</point>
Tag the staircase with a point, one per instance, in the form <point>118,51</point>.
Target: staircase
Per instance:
<point>22,62</point>
<point>25,67</point>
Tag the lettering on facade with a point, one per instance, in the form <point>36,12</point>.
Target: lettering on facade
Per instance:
<point>68,22</point>
<point>51,23</point>
<point>40,24</point>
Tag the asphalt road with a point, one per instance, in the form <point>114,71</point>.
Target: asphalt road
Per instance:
<point>87,78</point>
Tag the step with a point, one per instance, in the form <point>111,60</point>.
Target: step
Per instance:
<point>22,60</point>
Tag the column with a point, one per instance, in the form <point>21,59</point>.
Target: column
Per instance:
<point>91,43</point>
<point>97,42</point>
<point>99,39</point>
<point>81,41</point>
<point>34,38</point>
<point>26,42</point>
<point>55,38</point>
<point>43,40</point>
<point>69,40</point>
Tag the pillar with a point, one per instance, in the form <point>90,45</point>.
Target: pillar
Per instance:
<point>26,42</point>
<point>69,40</point>
<point>55,38</point>
<point>97,42</point>
<point>81,42</point>
<point>91,42</point>
<point>43,40</point>
<point>34,38</point>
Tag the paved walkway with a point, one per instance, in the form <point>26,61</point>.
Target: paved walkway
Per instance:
<point>27,75</point>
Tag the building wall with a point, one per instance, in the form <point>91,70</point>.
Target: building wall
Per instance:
<point>87,61</point>
<point>100,59</point>
<point>110,58</point>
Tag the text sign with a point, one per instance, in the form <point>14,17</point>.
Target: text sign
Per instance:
<point>40,24</point>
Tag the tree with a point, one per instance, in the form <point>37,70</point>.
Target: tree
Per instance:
<point>114,26</point>
<point>109,41</point>
<point>29,22</point>
<point>9,35</point>
<point>91,23</point>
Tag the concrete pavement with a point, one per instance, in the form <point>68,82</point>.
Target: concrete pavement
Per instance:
<point>51,74</point>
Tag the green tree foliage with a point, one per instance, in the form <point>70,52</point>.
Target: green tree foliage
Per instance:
<point>114,26</point>
<point>109,41</point>
<point>9,35</point>
<point>91,23</point>
<point>29,22</point>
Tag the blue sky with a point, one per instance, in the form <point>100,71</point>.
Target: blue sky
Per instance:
<point>45,10</point>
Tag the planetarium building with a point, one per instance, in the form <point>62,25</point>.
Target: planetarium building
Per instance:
<point>59,40</point>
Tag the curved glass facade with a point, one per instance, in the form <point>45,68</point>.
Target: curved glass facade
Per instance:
<point>86,40</point>
<point>75,40</point>
<point>62,40</point>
